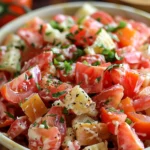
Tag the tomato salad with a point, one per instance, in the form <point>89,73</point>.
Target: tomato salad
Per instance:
<point>77,82</point>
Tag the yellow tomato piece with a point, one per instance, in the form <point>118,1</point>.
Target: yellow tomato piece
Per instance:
<point>34,107</point>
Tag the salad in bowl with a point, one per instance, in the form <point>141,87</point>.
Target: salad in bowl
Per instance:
<point>76,82</point>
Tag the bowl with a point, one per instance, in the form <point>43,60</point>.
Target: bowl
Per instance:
<point>67,8</point>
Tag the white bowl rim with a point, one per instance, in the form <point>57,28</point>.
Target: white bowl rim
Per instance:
<point>36,12</point>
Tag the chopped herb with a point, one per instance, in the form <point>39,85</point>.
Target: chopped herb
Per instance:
<point>87,121</point>
<point>98,19</point>
<point>110,55</point>
<point>56,62</point>
<point>122,24</point>
<point>45,124</point>
<point>58,94</point>
<point>98,79</point>
<point>61,120</point>
<point>1,79</point>
<point>50,76</point>
<point>40,30</point>
<point>30,77</point>
<point>112,109</point>
<point>111,28</point>
<point>98,31</point>
<point>56,25</point>
<point>128,121</point>
<point>38,86</point>
<point>107,101</point>
<point>10,115</point>
<point>32,44</point>
<point>67,67</point>
<point>26,99</point>
<point>52,115</point>
<point>34,124</point>
<point>112,67</point>
<point>48,33</point>
<point>96,63</point>
<point>65,111</point>
<point>65,46</point>
<point>2,66</point>
<point>26,77</point>
<point>122,110</point>
<point>16,74</point>
<point>78,53</point>
<point>70,37</point>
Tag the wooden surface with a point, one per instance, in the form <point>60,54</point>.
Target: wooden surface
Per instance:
<point>41,3</point>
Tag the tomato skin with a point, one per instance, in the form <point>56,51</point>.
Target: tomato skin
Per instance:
<point>143,29</point>
<point>32,35</point>
<point>18,89</point>
<point>18,126</point>
<point>91,59</point>
<point>14,6</point>
<point>41,60</point>
<point>127,138</point>
<point>53,118</point>
<point>113,119</point>
<point>67,77</point>
<point>141,124</point>
<point>104,17</point>
<point>129,79</point>
<point>89,77</point>
<point>92,25</point>
<point>53,87</point>
<point>81,37</point>
<point>114,94</point>
<point>47,139</point>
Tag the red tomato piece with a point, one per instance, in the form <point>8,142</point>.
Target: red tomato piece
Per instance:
<point>81,36</point>
<point>41,60</point>
<point>55,117</point>
<point>93,59</point>
<point>32,38</point>
<point>92,25</point>
<point>90,78</point>
<point>53,89</point>
<point>113,118</point>
<point>20,125</point>
<point>15,7</point>
<point>23,86</point>
<point>129,79</point>
<point>5,119</point>
<point>67,77</point>
<point>103,17</point>
<point>141,124</point>
<point>47,139</point>
<point>143,29</point>
<point>110,96</point>
<point>142,103</point>
<point>127,138</point>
